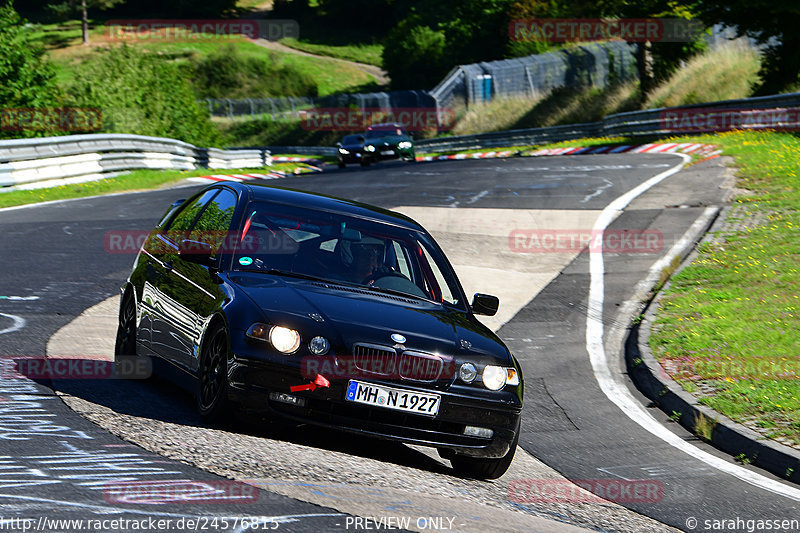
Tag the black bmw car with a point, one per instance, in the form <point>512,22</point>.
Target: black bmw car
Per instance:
<point>350,150</point>
<point>327,312</point>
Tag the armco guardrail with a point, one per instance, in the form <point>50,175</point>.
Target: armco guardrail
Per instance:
<point>634,124</point>
<point>85,157</point>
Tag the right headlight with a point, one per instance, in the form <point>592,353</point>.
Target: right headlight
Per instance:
<point>343,151</point>
<point>369,148</point>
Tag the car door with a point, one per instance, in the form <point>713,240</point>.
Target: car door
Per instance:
<point>161,249</point>
<point>192,288</point>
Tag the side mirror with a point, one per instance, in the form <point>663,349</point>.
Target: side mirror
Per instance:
<point>485,304</point>
<point>195,252</point>
<point>339,145</point>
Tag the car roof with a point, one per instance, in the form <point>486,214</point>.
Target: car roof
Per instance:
<point>293,197</point>
<point>386,125</point>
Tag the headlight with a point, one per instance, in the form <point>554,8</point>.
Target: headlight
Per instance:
<point>467,372</point>
<point>344,151</point>
<point>319,345</point>
<point>284,340</point>
<point>494,377</point>
<point>369,148</point>
<point>404,144</point>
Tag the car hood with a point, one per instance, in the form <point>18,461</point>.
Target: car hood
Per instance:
<point>353,315</point>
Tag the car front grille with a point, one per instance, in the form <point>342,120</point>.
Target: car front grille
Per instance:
<point>377,360</point>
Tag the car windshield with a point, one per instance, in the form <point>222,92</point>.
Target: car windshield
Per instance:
<point>301,243</point>
<point>352,139</point>
<point>384,132</point>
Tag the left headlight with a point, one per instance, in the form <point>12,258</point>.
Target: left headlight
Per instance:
<point>404,144</point>
<point>285,340</point>
<point>496,377</point>
<point>369,148</point>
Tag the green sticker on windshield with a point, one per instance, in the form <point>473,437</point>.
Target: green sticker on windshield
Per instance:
<point>244,261</point>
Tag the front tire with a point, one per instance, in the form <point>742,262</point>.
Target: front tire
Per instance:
<point>480,468</point>
<point>341,164</point>
<point>125,346</point>
<point>212,375</point>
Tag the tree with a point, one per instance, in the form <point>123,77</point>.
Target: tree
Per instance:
<point>26,79</point>
<point>771,23</point>
<point>66,9</point>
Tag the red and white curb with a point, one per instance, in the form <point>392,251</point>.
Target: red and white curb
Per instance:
<point>476,155</point>
<point>238,177</point>
<point>292,159</point>
<point>707,151</point>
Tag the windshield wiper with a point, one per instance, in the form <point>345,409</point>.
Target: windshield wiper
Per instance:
<point>395,292</point>
<point>277,272</point>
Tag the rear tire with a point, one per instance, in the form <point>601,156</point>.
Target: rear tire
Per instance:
<point>212,375</point>
<point>480,468</point>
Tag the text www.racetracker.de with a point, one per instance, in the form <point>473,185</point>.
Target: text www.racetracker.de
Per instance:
<point>202,523</point>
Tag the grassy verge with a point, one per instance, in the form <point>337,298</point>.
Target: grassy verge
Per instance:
<point>138,180</point>
<point>726,328</point>
<point>364,53</point>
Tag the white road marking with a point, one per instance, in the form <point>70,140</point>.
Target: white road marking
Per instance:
<point>599,190</point>
<point>19,298</point>
<point>609,383</point>
<point>19,323</point>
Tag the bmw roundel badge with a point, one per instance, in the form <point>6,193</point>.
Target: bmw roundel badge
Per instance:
<point>396,337</point>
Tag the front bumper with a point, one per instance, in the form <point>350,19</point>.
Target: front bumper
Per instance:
<point>250,383</point>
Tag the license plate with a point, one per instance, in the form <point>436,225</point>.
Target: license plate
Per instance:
<point>390,398</point>
<point>387,152</point>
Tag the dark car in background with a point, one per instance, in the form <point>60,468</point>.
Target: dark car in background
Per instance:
<point>350,150</point>
<point>387,141</point>
<point>323,311</point>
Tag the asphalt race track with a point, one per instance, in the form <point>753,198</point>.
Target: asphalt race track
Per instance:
<point>56,265</point>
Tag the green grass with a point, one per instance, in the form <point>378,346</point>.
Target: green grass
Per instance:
<point>370,54</point>
<point>63,43</point>
<point>137,180</point>
<point>561,106</point>
<point>729,320</point>
<point>722,73</point>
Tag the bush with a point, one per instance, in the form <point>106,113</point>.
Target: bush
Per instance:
<point>140,93</point>
<point>226,73</point>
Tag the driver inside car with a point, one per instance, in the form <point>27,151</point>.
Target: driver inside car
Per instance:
<point>367,259</point>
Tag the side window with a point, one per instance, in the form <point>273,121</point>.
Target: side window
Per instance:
<point>181,223</point>
<point>447,294</point>
<point>215,221</point>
